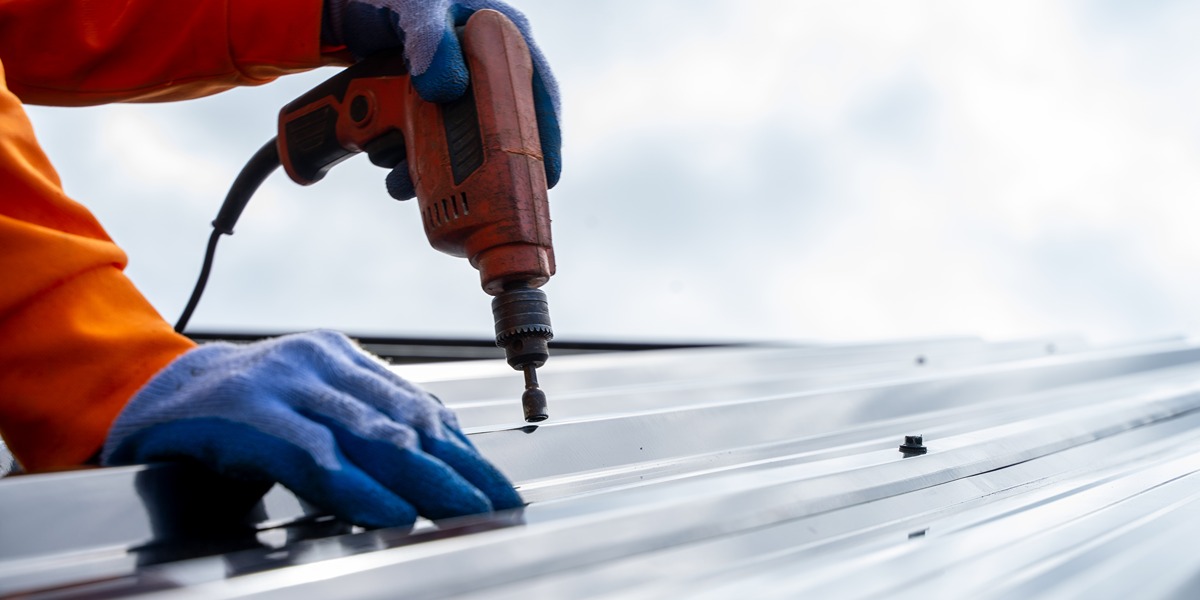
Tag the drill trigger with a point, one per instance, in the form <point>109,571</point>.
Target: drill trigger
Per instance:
<point>387,150</point>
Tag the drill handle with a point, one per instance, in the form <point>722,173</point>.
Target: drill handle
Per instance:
<point>309,140</point>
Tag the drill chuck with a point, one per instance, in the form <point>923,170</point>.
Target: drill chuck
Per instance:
<point>523,326</point>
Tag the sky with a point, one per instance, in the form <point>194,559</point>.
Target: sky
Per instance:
<point>750,170</point>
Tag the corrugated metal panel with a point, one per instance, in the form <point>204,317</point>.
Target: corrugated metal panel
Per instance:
<point>1053,468</point>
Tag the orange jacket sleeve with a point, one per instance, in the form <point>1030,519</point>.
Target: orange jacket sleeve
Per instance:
<point>79,52</point>
<point>77,340</point>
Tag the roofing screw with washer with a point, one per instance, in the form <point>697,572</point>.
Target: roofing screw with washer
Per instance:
<point>913,445</point>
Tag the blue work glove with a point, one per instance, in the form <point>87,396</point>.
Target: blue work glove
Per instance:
<point>318,415</point>
<point>425,29</point>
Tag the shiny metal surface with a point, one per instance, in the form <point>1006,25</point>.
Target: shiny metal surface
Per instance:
<point>1053,469</point>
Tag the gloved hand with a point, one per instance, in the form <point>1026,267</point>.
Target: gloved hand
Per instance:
<point>425,29</point>
<point>318,415</point>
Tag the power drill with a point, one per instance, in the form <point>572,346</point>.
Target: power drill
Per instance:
<point>476,164</point>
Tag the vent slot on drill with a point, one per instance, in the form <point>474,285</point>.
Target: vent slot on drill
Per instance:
<point>463,137</point>
<point>443,211</point>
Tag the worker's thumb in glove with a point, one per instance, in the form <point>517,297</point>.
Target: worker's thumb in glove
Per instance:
<point>425,30</point>
<point>318,415</point>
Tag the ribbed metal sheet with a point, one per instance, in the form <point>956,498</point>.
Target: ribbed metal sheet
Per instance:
<point>1053,469</point>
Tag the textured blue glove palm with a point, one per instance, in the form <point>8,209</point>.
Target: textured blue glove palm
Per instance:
<point>318,415</point>
<point>425,29</point>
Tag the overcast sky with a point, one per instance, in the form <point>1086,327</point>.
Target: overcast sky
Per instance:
<point>734,170</point>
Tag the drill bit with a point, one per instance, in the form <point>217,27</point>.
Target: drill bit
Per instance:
<point>533,401</point>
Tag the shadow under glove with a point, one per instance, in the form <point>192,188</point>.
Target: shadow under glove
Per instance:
<point>425,30</point>
<point>314,412</point>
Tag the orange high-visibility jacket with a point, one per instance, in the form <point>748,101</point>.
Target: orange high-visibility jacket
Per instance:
<point>76,339</point>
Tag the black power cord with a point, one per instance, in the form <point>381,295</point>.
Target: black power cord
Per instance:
<point>261,165</point>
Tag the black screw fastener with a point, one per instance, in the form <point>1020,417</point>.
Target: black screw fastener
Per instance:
<point>913,445</point>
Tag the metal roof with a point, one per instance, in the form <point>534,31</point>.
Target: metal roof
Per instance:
<point>1052,468</point>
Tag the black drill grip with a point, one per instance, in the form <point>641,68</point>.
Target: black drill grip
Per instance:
<point>311,145</point>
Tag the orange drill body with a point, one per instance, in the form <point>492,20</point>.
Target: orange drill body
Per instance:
<point>476,164</point>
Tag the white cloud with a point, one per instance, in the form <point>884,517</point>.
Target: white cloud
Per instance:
<point>864,169</point>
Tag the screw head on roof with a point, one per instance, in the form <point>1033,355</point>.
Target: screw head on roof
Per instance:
<point>913,445</point>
